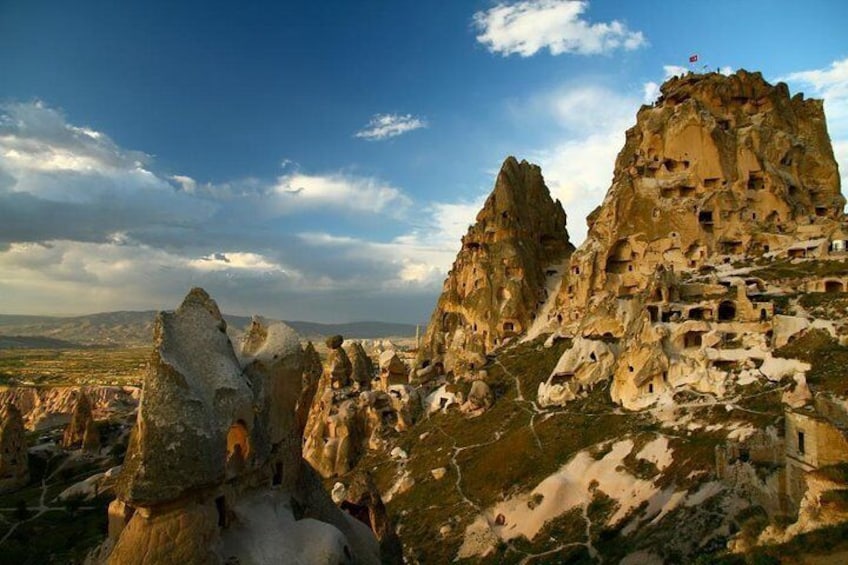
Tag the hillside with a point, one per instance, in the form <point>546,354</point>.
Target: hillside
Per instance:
<point>135,329</point>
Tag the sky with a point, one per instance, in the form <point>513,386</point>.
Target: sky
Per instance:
<point>321,160</point>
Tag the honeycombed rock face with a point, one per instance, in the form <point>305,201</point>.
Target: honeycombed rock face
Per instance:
<point>721,170</point>
<point>498,281</point>
<point>719,166</point>
<point>14,465</point>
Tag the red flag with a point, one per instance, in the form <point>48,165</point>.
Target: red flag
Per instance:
<point>693,59</point>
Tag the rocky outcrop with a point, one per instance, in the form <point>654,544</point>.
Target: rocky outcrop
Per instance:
<point>214,459</point>
<point>363,502</point>
<point>362,367</point>
<point>719,169</point>
<point>346,421</point>
<point>312,370</point>
<point>339,365</point>
<point>14,463</point>
<point>393,370</point>
<point>82,431</point>
<point>47,407</point>
<point>500,277</point>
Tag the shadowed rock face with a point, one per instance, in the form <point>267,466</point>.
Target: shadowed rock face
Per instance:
<point>214,460</point>
<point>194,392</point>
<point>81,432</point>
<point>14,464</point>
<point>498,280</point>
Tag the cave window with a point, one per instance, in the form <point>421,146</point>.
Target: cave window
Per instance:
<point>238,444</point>
<point>221,507</point>
<point>593,357</point>
<point>630,368</point>
<point>763,315</point>
<point>821,211</point>
<point>692,340</point>
<point>756,182</point>
<point>705,217</point>
<point>801,446</point>
<point>696,314</point>
<point>559,318</point>
<point>833,286</point>
<point>508,326</point>
<point>654,313</point>
<point>650,388</point>
<point>630,267</point>
<point>766,248</point>
<point>744,454</point>
<point>753,215</point>
<point>726,311</point>
<point>278,474</point>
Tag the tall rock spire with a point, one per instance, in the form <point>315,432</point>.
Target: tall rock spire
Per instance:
<point>498,281</point>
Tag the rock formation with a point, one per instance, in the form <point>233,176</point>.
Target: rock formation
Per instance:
<point>214,459</point>
<point>345,421</point>
<point>500,277</point>
<point>338,362</point>
<point>363,368</point>
<point>393,371</point>
<point>47,407</point>
<point>480,398</point>
<point>363,502</point>
<point>82,431</point>
<point>14,463</point>
<point>719,169</point>
<point>312,370</point>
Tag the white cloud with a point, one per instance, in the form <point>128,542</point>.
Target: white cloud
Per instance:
<point>524,28</point>
<point>238,260</point>
<point>650,92</point>
<point>300,191</point>
<point>674,71</point>
<point>384,126</point>
<point>579,162</point>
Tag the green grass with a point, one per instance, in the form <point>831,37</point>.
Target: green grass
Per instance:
<point>827,357</point>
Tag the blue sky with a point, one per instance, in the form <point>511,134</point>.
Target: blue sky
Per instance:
<point>320,160</point>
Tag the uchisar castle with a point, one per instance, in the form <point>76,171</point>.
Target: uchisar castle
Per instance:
<point>674,390</point>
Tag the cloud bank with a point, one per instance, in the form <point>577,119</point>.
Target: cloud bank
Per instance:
<point>86,225</point>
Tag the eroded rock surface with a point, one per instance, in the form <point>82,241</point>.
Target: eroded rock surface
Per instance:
<point>213,473</point>
<point>499,278</point>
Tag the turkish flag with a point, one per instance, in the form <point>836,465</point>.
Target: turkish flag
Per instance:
<point>693,59</point>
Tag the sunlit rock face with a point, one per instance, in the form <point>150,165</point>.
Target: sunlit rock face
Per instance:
<point>498,280</point>
<point>721,170</point>
<point>214,461</point>
<point>719,167</point>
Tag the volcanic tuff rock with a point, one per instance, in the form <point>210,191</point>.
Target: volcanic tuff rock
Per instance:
<point>363,369</point>
<point>47,407</point>
<point>721,169</point>
<point>216,430</point>
<point>81,431</point>
<point>498,281</point>
<point>14,463</point>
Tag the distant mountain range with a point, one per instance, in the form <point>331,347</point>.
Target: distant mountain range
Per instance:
<point>136,328</point>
